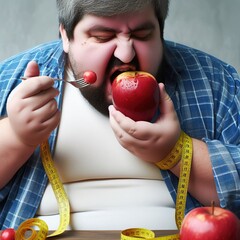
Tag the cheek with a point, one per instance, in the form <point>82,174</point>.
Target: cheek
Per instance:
<point>149,56</point>
<point>91,57</point>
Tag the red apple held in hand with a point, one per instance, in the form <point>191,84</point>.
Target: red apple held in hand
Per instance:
<point>136,94</point>
<point>211,224</point>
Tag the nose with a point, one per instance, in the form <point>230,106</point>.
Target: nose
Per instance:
<point>124,50</point>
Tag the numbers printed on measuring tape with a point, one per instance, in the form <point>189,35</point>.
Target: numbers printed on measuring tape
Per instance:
<point>30,225</point>
<point>141,233</point>
<point>183,180</point>
<point>61,196</point>
<point>37,227</point>
<point>185,169</point>
<point>175,155</point>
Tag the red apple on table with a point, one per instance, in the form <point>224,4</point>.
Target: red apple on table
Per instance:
<point>210,223</point>
<point>136,94</point>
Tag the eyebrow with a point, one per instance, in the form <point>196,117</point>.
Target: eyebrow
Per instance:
<point>101,29</point>
<point>144,26</point>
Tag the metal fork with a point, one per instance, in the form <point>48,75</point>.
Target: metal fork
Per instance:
<point>78,83</point>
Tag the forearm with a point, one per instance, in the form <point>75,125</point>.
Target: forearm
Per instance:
<point>201,184</point>
<point>13,153</point>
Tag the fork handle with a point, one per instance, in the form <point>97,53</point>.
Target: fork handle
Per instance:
<point>55,79</point>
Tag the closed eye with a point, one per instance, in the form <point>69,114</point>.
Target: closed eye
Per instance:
<point>102,35</point>
<point>143,32</point>
<point>142,35</point>
<point>101,38</point>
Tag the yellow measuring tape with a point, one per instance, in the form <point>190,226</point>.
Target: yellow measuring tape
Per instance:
<point>174,156</point>
<point>38,229</point>
<point>140,233</point>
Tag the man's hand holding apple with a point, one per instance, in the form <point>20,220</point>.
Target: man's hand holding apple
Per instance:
<point>149,141</point>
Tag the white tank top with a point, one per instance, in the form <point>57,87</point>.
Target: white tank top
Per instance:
<point>107,186</point>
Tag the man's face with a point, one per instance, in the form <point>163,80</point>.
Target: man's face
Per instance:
<point>110,45</point>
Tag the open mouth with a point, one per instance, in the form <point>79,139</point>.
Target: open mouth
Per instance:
<point>115,72</point>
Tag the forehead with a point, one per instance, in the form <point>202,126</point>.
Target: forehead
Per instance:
<point>125,21</point>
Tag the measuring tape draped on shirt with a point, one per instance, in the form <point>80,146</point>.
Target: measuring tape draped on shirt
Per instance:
<point>186,159</point>
<point>38,229</point>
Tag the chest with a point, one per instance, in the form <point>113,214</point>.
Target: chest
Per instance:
<point>86,147</point>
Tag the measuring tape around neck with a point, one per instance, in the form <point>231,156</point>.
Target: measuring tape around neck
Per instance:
<point>64,206</point>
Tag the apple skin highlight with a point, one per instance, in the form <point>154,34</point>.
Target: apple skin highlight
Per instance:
<point>206,223</point>
<point>136,94</point>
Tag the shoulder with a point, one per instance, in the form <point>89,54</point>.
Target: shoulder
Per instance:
<point>194,63</point>
<point>49,56</point>
<point>41,54</point>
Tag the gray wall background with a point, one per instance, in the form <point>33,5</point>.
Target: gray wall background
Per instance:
<point>209,25</point>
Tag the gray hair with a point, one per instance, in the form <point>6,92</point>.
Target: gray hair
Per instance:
<point>70,12</point>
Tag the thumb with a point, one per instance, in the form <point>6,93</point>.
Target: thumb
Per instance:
<point>166,104</point>
<point>32,69</point>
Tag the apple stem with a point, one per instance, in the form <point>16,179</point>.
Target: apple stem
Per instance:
<point>213,205</point>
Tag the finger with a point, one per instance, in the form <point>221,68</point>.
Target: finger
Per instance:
<point>35,85</point>
<point>32,69</point>
<point>47,111</point>
<point>130,138</point>
<point>48,123</point>
<point>113,122</point>
<point>42,98</point>
<point>166,104</point>
<point>52,122</point>
<point>121,121</point>
<point>127,129</point>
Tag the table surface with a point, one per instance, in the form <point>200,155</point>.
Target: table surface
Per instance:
<point>103,235</point>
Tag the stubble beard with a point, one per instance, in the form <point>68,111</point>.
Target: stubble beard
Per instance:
<point>96,96</point>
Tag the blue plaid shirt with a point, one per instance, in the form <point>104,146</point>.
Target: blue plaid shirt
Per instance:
<point>206,95</point>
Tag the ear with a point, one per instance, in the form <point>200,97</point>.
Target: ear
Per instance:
<point>64,38</point>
